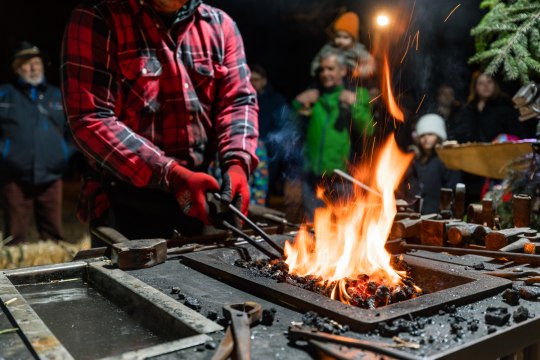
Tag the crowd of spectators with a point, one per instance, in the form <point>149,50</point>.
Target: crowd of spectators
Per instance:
<point>334,123</point>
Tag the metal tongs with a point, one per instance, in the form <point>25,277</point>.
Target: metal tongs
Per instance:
<point>224,221</point>
<point>237,338</point>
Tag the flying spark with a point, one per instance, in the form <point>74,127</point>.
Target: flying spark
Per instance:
<point>451,12</point>
<point>375,98</point>
<point>406,50</point>
<point>421,102</point>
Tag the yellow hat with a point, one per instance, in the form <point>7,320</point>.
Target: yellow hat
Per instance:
<point>349,23</point>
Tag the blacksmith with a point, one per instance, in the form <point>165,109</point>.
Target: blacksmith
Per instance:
<point>153,89</point>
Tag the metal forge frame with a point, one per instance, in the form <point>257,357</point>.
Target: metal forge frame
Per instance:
<point>446,284</point>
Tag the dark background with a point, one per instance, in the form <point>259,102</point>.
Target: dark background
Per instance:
<point>284,35</point>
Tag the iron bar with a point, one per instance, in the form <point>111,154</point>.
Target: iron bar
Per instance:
<point>357,182</point>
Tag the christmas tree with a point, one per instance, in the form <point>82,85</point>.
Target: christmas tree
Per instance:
<point>508,39</point>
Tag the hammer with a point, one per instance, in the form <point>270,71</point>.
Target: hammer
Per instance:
<point>132,254</point>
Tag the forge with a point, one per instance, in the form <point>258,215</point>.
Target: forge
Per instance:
<point>444,285</point>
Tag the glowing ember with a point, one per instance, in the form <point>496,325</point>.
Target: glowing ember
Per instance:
<point>363,291</point>
<point>350,237</point>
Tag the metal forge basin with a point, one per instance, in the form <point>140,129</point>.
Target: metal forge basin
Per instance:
<point>90,311</point>
<point>444,283</point>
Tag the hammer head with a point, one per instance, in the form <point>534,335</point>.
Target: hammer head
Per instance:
<point>139,254</point>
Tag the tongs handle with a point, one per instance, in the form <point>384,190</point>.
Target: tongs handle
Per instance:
<point>252,225</point>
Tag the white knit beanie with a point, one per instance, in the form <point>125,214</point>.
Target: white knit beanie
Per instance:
<point>431,123</point>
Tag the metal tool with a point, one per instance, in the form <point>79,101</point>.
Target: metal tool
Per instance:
<point>521,210</point>
<point>400,246</point>
<point>357,182</point>
<point>238,335</point>
<point>132,254</point>
<point>174,246</point>
<point>295,333</point>
<point>252,225</point>
<point>280,220</point>
<point>137,254</point>
<point>514,274</point>
<point>249,239</point>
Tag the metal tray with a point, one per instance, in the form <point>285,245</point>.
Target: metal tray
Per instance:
<point>91,311</point>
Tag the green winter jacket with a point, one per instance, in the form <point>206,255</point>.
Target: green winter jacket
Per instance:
<point>327,143</point>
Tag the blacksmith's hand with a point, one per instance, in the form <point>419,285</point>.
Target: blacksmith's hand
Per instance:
<point>190,190</point>
<point>234,187</point>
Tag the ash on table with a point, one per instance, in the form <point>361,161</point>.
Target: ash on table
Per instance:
<point>363,291</point>
<point>324,324</point>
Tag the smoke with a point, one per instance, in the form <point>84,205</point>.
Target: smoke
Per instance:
<point>285,144</point>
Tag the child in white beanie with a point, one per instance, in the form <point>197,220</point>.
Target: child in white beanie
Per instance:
<point>429,174</point>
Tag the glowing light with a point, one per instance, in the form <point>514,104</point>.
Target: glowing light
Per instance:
<point>383,20</point>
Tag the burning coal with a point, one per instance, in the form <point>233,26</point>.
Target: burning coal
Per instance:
<point>363,291</point>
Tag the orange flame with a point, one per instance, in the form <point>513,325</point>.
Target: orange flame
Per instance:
<point>391,104</point>
<point>350,237</point>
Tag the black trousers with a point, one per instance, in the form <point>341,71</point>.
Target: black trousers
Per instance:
<point>140,213</point>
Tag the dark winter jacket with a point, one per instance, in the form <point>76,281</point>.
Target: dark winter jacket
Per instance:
<point>498,117</point>
<point>32,133</point>
<point>428,179</point>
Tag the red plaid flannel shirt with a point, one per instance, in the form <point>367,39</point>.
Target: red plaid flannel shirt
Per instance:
<point>138,96</point>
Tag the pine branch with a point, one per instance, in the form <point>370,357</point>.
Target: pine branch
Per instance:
<point>513,41</point>
<point>508,38</point>
<point>489,4</point>
<point>495,28</point>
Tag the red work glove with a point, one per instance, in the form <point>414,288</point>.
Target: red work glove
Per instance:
<point>190,190</point>
<point>235,188</point>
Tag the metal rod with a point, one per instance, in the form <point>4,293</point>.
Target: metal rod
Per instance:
<point>280,220</point>
<point>243,235</point>
<point>332,350</point>
<point>379,348</point>
<point>522,258</point>
<point>357,182</point>
<point>254,226</point>
<point>218,237</point>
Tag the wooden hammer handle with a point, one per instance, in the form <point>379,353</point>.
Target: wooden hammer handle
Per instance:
<point>109,235</point>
